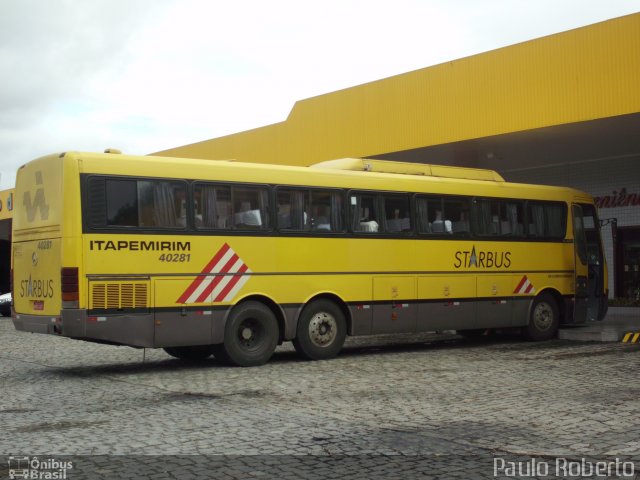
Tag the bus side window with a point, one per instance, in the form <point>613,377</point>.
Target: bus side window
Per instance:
<point>456,216</point>
<point>250,208</point>
<point>364,214</point>
<point>121,202</point>
<point>326,211</point>
<point>546,220</point>
<point>212,206</point>
<point>162,204</point>
<point>292,209</point>
<point>499,218</point>
<point>396,213</point>
<point>511,219</point>
<point>429,215</point>
<point>484,210</point>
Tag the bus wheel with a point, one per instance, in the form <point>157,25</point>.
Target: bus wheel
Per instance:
<point>544,319</point>
<point>220,353</point>
<point>250,336</point>
<point>321,330</point>
<point>197,352</point>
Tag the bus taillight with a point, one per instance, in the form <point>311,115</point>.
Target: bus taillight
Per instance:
<point>69,282</point>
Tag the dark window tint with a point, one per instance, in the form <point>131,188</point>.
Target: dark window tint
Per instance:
<point>546,220</point>
<point>250,208</point>
<point>162,204</point>
<point>136,203</point>
<point>365,217</point>
<point>293,206</point>
<point>326,211</point>
<point>212,206</point>
<point>502,218</point>
<point>229,207</point>
<point>397,215</point>
<point>442,215</point>
<point>309,210</point>
<point>592,232</point>
<point>580,238</point>
<point>122,203</point>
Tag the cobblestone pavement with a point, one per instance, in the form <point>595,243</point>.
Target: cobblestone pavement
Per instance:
<point>387,407</point>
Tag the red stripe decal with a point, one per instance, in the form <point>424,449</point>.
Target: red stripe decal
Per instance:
<point>232,283</point>
<point>522,281</point>
<point>529,288</point>
<point>227,266</point>
<point>207,269</point>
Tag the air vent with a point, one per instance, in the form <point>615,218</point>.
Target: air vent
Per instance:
<point>119,295</point>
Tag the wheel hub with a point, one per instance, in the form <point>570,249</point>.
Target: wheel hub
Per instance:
<point>543,316</point>
<point>322,329</point>
<point>246,333</point>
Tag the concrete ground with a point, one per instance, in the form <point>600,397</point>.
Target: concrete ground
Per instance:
<point>396,406</point>
<point>618,322</point>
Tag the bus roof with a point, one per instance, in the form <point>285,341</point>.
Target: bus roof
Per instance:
<point>343,173</point>
<point>407,168</point>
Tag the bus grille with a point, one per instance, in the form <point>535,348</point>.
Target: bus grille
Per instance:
<point>119,295</point>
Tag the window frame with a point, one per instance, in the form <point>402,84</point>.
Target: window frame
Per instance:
<point>87,205</point>
<point>461,235</point>
<point>522,202</point>
<point>308,192</point>
<point>378,204</point>
<point>233,230</point>
<point>89,212</point>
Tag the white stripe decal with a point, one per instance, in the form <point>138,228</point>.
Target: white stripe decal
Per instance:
<point>225,280</point>
<point>207,281</point>
<point>232,293</point>
<point>222,281</point>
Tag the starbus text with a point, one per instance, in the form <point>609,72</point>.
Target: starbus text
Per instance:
<point>469,258</point>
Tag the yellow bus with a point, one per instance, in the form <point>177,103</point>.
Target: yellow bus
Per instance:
<point>230,259</point>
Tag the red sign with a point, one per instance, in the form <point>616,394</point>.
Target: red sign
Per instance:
<point>618,199</point>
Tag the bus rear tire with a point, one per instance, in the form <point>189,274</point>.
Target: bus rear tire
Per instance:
<point>321,330</point>
<point>544,319</point>
<point>193,353</point>
<point>250,335</point>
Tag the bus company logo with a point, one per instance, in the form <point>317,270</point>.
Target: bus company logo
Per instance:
<point>37,203</point>
<point>524,286</point>
<point>220,280</point>
<point>481,259</point>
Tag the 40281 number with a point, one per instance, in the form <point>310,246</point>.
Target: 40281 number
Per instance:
<point>175,257</point>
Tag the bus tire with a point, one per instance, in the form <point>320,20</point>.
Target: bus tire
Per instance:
<point>196,352</point>
<point>250,335</point>
<point>220,353</point>
<point>321,330</point>
<point>544,319</point>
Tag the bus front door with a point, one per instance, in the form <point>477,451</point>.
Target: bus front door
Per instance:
<point>581,267</point>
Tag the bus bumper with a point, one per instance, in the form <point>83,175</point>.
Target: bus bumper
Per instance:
<point>35,323</point>
<point>133,330</point>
